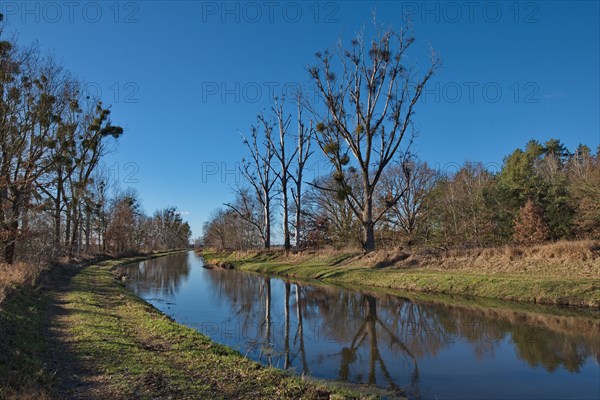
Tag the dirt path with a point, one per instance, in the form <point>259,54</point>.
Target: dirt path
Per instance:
<point>75,378</point>
<point>106,343</point>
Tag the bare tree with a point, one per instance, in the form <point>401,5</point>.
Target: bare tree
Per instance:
<point>49,148</point>
<point>279,151</point>
<point>416,180</point>
<point>328,216</point>
<point>100,202</point>
<point>369,110</point>
<point>259,174</point>
<point>216,230</point>
<point>225,229</point>
<point>52,184</point>
<point>121,233</point>
<point>459,206</point>
<point>29,90</point>
<point>584,177</point>
<point>88,149</point>
<point>303,152</point>
<point>168,230</point>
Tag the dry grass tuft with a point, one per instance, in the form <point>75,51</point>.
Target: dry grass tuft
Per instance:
<point>17,275</point>
<point>573,250</point>
<point>513,253</point>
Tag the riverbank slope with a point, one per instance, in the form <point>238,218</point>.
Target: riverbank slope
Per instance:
<point>563,273</point>
<point>82,334</point>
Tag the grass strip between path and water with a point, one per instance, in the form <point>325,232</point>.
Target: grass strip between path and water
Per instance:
<point>107,343</point>
<point>528,288</point>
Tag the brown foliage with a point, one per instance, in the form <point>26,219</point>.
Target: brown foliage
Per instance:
<point>529,225</point>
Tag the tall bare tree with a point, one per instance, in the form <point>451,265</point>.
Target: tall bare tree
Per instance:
<point>259,174</point>
<point>369,97</point>
<point>303,152</point>
<point>29,117</point>
<point>285,161</point>
<point>88,150</point>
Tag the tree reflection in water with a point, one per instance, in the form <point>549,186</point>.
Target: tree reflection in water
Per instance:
<point>381,338</point>
<point>267,348</point>
<point>162,275</point>
<point>300,331</point>
<point>378,339</point>
<point>369,328</point>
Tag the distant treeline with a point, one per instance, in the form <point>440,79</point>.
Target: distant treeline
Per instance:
<point>54,195</point>
<point>542,192</point>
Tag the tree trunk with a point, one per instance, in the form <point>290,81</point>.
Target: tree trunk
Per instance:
<point>298,216</point>
<point>74,240</point>
<point>102,229</point>
<point>369,238</point>
<point>286,339</point>
<point>11,242</point>
<point>68,226</point>
<point>298,227</point>
<point>57,219</point>
<point>303,153</point>
<point>368,225</point>
<point>13,231</point>
<point>79,232</point>
<point>25,208</point>
<point>371,319</point>
<point>88,229</point>
<point>267,219</point>
<point>100,239</point>
<point>300,333</point>
<point>286,227</point>
<point>267,282</point>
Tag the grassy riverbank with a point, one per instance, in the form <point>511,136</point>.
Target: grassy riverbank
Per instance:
<point>27,294</point>
<point>564,274</point>
<point>90,337</point>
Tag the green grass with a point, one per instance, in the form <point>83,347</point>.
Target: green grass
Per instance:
<point>118,346</point>
<point>558,290</point>
<point>25,352</point>
<point>22,345</point>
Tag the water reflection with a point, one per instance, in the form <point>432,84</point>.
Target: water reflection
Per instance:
<point>422,349</point>
<point>162,276</point>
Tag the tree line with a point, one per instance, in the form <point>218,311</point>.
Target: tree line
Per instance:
<point>54,198</point>
<point>377,193</point>
<point>542,192</point>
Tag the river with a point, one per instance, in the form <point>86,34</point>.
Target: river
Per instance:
<point>426,348</point>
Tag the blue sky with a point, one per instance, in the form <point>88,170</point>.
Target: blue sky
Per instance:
<point>185,78</point>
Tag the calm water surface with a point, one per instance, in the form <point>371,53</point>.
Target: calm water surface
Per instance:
<point>425,349</point>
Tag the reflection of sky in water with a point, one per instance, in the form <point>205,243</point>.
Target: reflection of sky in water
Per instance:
<point>427,350</point>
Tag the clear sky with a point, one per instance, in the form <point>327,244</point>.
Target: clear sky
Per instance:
<point>185,78</point>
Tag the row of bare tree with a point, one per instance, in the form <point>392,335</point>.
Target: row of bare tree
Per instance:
<point>53,200</point>
<point>367,99</point>
<point>128,230</point>
<point>52,140</point>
